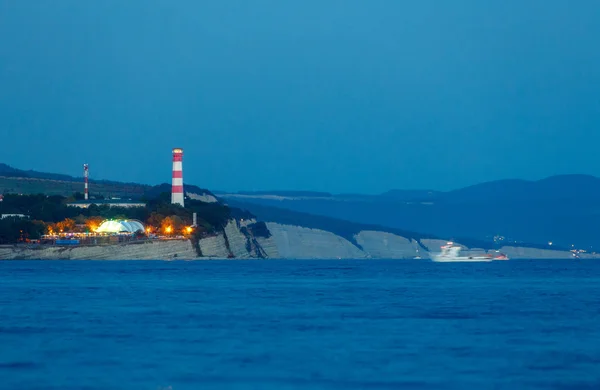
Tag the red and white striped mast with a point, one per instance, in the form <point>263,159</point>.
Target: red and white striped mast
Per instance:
<point>177,183</point>
<point>86,174</point>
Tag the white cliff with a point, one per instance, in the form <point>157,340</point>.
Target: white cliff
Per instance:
<point>206,198</point>
<point>389,246</point>
<point>534,253</point>
<point>269,247</point>
<point>297,242</point>
<point>214,246</point>
<point>237,240</point>
<point>435,245</point>
<point>150,250</point>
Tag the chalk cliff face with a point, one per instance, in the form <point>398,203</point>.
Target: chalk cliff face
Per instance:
<point>533,253</point>
<point>285,241</point>
<point>302,243</point>
<point>297,242</point>
<point>206,198</point>
<point>237,241</point>
<point>151,250</point>
<point>214,247</point>
<point>389,246</point>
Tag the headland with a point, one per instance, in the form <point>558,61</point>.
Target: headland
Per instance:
<point>44,219</point>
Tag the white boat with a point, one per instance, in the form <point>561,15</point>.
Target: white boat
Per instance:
<point>451,253</point>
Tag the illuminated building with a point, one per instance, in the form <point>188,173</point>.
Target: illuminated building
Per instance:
<point>117,226</point>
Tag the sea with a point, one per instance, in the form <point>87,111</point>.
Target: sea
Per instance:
<point>297,324</point>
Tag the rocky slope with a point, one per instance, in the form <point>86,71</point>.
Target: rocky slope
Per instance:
<point>298,242</point>
<point>151,250</point>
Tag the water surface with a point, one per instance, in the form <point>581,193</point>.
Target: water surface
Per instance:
<point>273,324</point>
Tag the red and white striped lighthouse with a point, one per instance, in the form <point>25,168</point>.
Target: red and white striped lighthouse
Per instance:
<point>86,174</point>
<point>177,183</point>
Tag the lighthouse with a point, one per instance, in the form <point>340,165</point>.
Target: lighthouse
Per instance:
<point>86,175</point>
<point>177,181</point>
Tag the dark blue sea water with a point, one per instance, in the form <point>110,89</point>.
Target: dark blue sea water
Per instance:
<point>299,325</point>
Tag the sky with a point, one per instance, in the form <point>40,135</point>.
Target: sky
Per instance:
<point>326,95</point>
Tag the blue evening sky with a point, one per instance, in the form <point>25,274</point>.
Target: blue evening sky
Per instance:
<point>331,95</point>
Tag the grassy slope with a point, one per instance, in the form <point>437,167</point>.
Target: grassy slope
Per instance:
<point>29,185</point>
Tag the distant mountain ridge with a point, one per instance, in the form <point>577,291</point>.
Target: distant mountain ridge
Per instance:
<point>558,187</point>
<point>563,210</point>
<point>284,193</point>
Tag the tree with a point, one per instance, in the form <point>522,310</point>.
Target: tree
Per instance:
<point>92,223</point>
<point>13,230</point>
<point>65,226</point>
<point>155,220</point>
<point>37,229</point>
<point>172,225</point>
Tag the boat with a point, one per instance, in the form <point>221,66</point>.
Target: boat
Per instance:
<point>451,253</point>
<point>501,256</point>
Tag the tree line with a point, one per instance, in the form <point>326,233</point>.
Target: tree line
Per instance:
<point>46,213</point>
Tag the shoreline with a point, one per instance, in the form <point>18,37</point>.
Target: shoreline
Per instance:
<point>285,242</point>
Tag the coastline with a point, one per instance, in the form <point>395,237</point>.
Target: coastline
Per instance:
<point>317,245</point>
<point>283,242</point>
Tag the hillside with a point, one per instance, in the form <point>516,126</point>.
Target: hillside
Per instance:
<point>340,227</point>
<point>18,181</point>
<point>563,188</point>
<point>348,229</point>
<point>559,209</point>
<point>8,171</point>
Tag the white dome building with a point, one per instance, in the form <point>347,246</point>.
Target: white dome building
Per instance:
<point>120,226</point>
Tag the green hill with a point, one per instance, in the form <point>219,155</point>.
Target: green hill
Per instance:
<point>16,181</point>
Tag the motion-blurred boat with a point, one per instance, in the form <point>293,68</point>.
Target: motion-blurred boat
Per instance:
<point>451,253</point>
